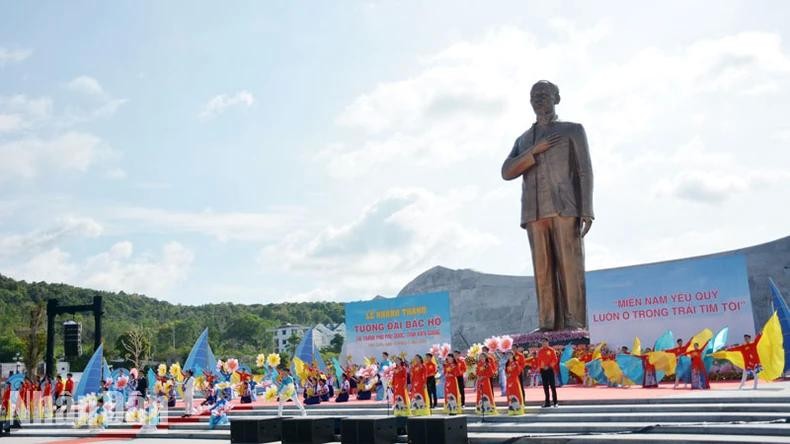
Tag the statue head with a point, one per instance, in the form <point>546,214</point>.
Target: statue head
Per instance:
<point>543,96</point>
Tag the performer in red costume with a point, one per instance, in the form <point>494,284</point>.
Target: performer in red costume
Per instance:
<point>751,360</point>
<point>452,392</point>
<point>461,375</point>
<point>522,361</point>
<point>699,376</point>
<point>547,360</point>
<point>649,371</point>
<point>430,376</point>
<point>678,351</point>
<point>486,404</point>
<point>419,388</point>
<point>400,392</point>
<point>514,391</point>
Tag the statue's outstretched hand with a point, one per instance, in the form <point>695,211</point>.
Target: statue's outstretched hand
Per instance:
<point>545,143</point>
<point>586,224</point>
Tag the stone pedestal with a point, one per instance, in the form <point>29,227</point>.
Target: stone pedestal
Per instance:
<point>561,337</point>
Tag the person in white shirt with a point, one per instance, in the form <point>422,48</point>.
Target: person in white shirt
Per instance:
<point>189,393</point>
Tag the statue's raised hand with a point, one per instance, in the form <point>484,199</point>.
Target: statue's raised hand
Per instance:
<point>545,143</point>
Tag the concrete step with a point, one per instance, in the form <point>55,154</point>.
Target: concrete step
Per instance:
<point>589,408</point>
<point>498,438</point>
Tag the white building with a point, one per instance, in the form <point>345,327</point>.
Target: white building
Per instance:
<point>322,334</point>
<point>283,333</point>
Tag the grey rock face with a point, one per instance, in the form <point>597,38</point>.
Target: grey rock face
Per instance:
<point>482,305</point>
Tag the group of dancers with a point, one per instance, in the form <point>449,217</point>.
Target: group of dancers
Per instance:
<point>408,384</point>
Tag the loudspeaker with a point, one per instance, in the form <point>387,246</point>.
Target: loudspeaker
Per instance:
<point>368,430</point>
<point>72,342</point>
<point>437,430</point>
<point>256,430</point>
<point>306,430</point>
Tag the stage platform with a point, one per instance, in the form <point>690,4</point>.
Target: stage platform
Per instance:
<point>722,414</point>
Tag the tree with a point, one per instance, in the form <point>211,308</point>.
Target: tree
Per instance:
<point>293,342</point>
<point>34,339</point>
<point>135,346</point>
<point>10,345</point>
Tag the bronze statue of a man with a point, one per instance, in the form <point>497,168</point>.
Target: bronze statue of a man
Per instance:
<point>556,208</point>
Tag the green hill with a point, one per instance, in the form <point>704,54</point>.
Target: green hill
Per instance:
<point>235,330</point>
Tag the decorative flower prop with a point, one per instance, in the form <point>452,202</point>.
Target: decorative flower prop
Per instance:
<point>474,351</point>
<point>220,365</point>
<point>273,360</point>
<point>232,365</point>
<point>371,383</point>
<point>260,360</point>
<point>133,373</point>
<point>271,393</point>
<point>444,350</point>
<point>161,370</point>
<point>289,391</point>
<point>142,416</point>
<point>122,381</point>
<point>368,371</point>
<point>386,374</point>
<point>505,344</point>
<point>133,416</point>
<point>175,370</point>
<point>493,343</point>
<point>436,349</point>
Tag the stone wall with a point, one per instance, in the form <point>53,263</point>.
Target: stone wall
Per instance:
<point>482,305</point>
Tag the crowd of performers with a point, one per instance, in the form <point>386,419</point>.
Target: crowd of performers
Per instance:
<point>408,384</point>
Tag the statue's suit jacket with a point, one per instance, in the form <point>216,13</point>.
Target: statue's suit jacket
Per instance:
<point>559,181</point>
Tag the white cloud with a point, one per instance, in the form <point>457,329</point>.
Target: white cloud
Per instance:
<point>11,122</point>
<point>13,55</point>
<point>87,85</point>
<point>94,102</point>
<point>222,102</point>
<point>28,157</point>
<point>19,112</point>
<point>396,237</point>
<point>117,269</point>
<point>36,241</point>
<point>222,226</point>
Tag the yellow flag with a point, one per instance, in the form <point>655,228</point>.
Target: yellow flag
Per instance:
<point>700,338</point>
<point>614,373</point>
<point>575,366</point>
<point>301,371</point>
<point>771,350</point>
<point>637,348</point>
<point>663,361</point>
<point>735,357</point>
<point>597,352</point>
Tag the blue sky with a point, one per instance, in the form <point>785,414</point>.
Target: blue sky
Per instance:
<point>264,152</point>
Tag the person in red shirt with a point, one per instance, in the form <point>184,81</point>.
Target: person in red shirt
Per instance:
<point>400,389</point>
<point>419,388</point>
<point>699,376</point>
<point>522,361</point>
<point>452,391</point>
<point>678,351</point>
<point>751,361</point>
<point>461,360</point>
<point>430,378</point>
<point>5,409</point>
<point>514,391</point>
<point>547,360</point>
<point>649,371</point>
<point>486,404</point>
